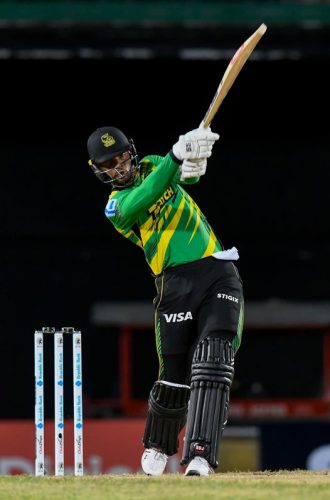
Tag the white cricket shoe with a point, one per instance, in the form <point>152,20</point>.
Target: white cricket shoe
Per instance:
<point>199,467</point>
<point>153,462</point>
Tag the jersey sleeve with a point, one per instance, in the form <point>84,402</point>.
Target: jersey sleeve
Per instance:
<point>189,180</point>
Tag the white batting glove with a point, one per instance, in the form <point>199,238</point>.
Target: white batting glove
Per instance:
<point>194,168</point>
<point>195,144</point>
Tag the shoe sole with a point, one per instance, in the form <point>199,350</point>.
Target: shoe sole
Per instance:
<point>193,473</point>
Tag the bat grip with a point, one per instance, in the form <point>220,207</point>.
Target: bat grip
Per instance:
<point>202,125</point>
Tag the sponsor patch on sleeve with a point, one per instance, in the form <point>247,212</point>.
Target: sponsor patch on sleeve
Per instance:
<point>110,209</point>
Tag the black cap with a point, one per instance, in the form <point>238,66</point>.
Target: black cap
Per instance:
<point>105,143</point>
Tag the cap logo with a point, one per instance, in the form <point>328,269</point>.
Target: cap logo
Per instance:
<point>107,140</point>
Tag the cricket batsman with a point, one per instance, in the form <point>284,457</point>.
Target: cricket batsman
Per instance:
<point>199,301</point>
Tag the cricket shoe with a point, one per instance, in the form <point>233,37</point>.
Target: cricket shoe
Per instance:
<point>153,462</point>
<point>199,467</point>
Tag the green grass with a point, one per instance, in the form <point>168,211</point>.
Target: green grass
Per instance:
<point>284,485</point>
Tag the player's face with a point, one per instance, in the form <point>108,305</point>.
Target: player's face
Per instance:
<point>119,167</point>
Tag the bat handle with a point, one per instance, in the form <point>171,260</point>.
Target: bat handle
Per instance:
<point>202,124</point>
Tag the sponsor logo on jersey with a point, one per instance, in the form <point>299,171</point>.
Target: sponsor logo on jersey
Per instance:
<point>227,297</point>
<point>156,207</point>
<point>110,209</point>
<point>178,317</point>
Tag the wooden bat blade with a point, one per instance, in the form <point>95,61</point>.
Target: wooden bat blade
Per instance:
<point>234,67</point>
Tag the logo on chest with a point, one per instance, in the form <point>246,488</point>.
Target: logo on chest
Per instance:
<point>156,207</point>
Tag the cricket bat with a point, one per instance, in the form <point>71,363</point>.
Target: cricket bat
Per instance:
<point>234,67</point>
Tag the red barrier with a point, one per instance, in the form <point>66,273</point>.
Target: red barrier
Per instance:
<point>110,446</point>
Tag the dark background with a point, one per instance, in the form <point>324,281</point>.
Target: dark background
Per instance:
<point>266,188</point>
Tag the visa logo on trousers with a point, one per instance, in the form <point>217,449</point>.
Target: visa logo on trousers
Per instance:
<point>177,317</point>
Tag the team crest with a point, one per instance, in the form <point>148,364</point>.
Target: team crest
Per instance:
<point>107,140</point>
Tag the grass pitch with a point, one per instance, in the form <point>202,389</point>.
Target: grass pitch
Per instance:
<point>284,485</point>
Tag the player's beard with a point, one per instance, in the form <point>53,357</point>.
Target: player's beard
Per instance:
<point>125,177</point>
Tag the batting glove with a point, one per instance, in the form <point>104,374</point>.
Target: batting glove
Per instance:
<point>194,168</point>
<point>195,144</point>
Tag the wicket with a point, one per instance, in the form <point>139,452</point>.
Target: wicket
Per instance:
<point>58,400</point>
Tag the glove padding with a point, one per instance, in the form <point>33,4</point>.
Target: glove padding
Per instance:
<point>194,168</point>
<point>195,144</point>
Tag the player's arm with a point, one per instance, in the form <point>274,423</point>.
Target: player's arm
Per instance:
<point>189,180</point>
<point>134,202</point>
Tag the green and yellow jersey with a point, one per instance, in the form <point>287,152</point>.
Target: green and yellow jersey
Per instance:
<point>160,217</point>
